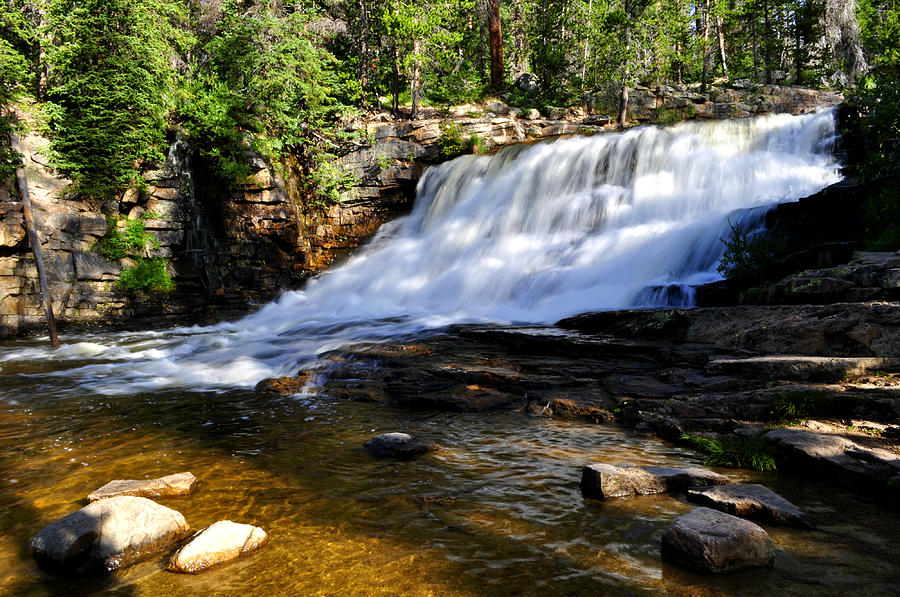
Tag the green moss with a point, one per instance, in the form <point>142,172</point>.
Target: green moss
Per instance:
<point>737,452</point>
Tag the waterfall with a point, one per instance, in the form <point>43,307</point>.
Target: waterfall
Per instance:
<point>532,234</point>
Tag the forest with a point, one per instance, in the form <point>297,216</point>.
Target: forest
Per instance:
<point>107,78</point>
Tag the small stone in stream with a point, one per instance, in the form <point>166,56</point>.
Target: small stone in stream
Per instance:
<point>713,542</point>
<point>170,485</point>
<point>399,445</point>
<point>218,543</point>
<point>602,481</point>
<point>283,386</point>
<point>752,501</point>
<point>107,535</point>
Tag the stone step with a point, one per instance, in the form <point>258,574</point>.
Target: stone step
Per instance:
<point>802,368</point>
<point>752,500</point>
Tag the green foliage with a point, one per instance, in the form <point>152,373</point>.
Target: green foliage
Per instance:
<point>148,275</point>
<point>879,99</point>
<point>455,142</point>
<point>16,36</point>
<point>132,240</point>
<point>739,452</point>
<point>746,257</point>
<point>791,407</point>
<point>260,85</point>
<point>111,78</point>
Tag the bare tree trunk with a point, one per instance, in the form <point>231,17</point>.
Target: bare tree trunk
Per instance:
<point>363,49</point>
<point>42,56</point>
<point>755,28</point>
<point>416,80</point>
<point>586,45</point>
<point>496,43</point>
<point>704,75</point>
<point>798,48</point>
<point>22,181</point>
<point>721,34</point>
<point>767,42</point>
<point>395,83</point>
<point>623,107</point>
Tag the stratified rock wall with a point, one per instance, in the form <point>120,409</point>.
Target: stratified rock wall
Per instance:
<point>231,246</point>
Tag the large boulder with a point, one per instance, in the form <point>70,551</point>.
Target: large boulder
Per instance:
<point>398,445</point>
<point>714,542</point>
<point>218,543</point>
<point>168,486</point>
<point>527,82</point>
<point>107,535</point>
<point>603,481</point>
<point>752,500</point>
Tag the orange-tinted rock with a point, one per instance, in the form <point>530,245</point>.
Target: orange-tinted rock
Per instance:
<point>168,486</point>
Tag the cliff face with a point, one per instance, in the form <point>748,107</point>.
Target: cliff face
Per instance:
<point>230,247</point>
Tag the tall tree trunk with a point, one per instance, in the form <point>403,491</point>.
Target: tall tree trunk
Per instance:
<point>755,30</point>
<point>623,106</point>
<point>496,42</point>
<point>22,181</point>
<point>363,49</point>
<point>721,34</point>
<point>395,82</point>
<point>704,75</point>
<point>416,78</point>
<point>586,45</point>
<point>767,42</point>
<point>798,48</point>
<point>519,62</point>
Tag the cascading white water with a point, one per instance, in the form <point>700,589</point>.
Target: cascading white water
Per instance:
<point>530,235</point>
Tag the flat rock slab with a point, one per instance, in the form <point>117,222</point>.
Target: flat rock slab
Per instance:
<point>713,542</point>
<point>840,458</point>
<point>398,445</point>
<point>218,543</point>
<point>602,481</point>
<point>108,534</point>
<point>170,485</point>
<point>801,368</point>
<point>752,500</point>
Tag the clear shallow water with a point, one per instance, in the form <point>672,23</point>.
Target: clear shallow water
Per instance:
<point>497,511</point>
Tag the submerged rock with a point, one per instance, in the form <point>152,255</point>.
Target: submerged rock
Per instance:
<point>218,543</point>
<point>108,534</point>
<point>170,485</point>
<point>752,500</point>
<point>714,542</point>
<point>398,445</point>
<point>602,480</point>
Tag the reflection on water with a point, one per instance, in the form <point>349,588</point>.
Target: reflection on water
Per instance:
<point>496,512</point>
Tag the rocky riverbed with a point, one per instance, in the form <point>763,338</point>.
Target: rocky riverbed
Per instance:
<point>822,381</point>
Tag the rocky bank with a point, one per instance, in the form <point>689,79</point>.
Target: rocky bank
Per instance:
<point>230,247</point>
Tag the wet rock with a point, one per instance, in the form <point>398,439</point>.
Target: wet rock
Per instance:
<point>170,485</point>
<point>839,458</point>
<point>398,445</point>
<point>603,481</point>
<point>801,368</point>
<point>218,543</point>
<point>107,535</point>
<point>752,501</point>
<point>714,542</point>
<point>284,386</point>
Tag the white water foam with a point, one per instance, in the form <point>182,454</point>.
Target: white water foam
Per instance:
<point>531,235</point>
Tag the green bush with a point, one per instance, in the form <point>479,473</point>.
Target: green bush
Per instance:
<point>737,452</point>
<point>133,241</point>
<point>746,257</point>
<point>148,275</point>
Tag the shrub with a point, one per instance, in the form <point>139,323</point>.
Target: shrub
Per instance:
<point>737,452</point>
<point>148,275</point>
<point>747,257</point>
